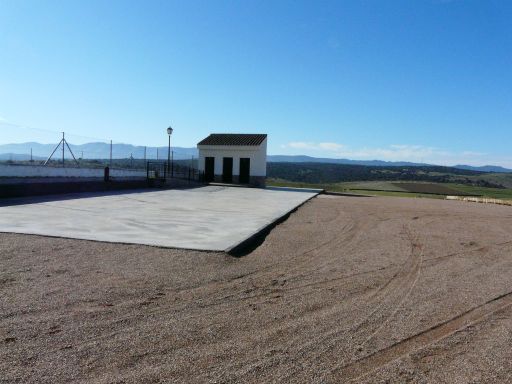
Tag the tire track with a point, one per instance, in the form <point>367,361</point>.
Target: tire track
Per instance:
<point>390,297</point>
<point>406,286</point>
<point>368,364</point>
<point>347,229</point>
<point>345,239</point>
<point>351,231</point>
<point>434,260</point>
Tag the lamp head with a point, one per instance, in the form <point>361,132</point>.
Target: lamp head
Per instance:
<point>169,131</point>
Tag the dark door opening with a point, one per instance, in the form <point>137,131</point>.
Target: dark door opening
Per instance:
<point>209,169</point>
<point>227,170</point>
<point>245,167</point>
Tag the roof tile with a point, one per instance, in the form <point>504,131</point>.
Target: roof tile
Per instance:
<point>235,139</point>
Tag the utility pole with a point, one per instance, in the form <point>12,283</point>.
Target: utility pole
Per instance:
<point>64,144</point>
<point>169,132</point>
<point>110,153</point>
<point>157,153</point>
<point>191,169</point>
<point>63,140</point>
<point>31,158</point>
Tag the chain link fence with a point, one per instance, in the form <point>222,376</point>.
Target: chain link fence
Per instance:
<point>21,145</point>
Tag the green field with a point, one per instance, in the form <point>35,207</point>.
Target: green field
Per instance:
<point>405,189</point>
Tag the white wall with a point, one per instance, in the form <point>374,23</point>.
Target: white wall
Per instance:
<point>258,156</point>
<point>40,171</point>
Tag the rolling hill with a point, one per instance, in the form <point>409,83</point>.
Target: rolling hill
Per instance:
<point>325,173</point>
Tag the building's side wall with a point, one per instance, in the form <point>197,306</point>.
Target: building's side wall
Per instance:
<point>258,156</point>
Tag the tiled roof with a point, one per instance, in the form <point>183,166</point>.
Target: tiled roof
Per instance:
<point>237,139</point>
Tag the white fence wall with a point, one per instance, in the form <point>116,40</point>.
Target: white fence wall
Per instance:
<point>484,200</point>
<point>40,171</point>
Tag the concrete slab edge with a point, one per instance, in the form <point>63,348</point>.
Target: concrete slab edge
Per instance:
<point>116,242</point>
<point>241,248</point>
<point>237,249</point>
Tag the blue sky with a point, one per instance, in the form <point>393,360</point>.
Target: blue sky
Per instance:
<point>393,80</point>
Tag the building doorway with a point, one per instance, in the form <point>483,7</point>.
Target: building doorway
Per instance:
<point>209,169</point>
<point>245,168</point>
<point>227,170</point>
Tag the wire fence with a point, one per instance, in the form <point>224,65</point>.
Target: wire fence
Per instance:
<point>161,170</point>
<point>31,146</point>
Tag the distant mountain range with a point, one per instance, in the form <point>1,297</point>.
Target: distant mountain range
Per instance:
<point>309,159</point>
<point>485,168</point>
<point>122,151</point>
<point>377,163</point>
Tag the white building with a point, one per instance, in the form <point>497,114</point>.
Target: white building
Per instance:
<point>234,158</point>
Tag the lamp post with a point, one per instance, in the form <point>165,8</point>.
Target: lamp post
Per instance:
<point>169,132</point>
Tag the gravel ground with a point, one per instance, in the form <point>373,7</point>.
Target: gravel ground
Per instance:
<point>364,290</point>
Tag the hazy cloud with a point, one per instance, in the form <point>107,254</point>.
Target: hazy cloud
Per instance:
<point>396,152</point>
<point>331,147</point>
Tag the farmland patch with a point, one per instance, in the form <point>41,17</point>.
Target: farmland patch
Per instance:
<point>436,189</point>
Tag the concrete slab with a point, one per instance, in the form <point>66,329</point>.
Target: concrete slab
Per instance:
<point>207,218</point>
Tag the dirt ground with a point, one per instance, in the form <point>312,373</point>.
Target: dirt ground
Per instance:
<point>363,290</point>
